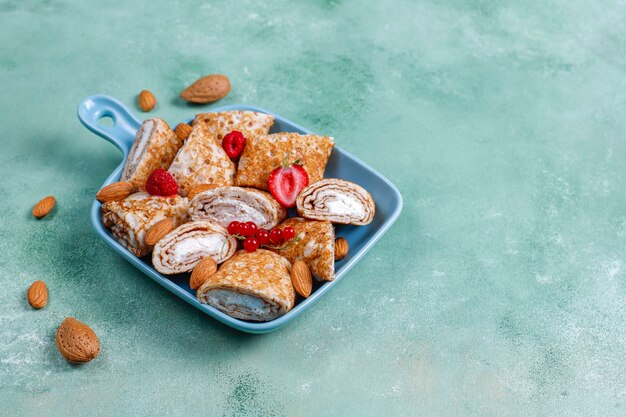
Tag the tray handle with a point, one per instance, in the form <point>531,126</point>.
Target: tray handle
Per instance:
<point>125,126</point>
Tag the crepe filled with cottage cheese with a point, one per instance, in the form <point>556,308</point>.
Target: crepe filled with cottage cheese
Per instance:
<point>338,201</point>
<point>184,247</point>
<point>155,146</point>
<point>131,218</point>
<point>253,286</point>
<point>226,204</point>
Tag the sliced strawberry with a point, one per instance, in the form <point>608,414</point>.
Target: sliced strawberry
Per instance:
<point>233,143</point>
<point>286,182</point>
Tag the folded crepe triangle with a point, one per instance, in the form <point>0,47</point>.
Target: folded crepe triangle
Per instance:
<point>264,153</point>
<point>314,244</point>
<point>250,123</point>
<point>201,160</point>
<point>155,146</point>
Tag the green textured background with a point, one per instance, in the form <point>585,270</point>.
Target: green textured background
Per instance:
<point>500,291</point>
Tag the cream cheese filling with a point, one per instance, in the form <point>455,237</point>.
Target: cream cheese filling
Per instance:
<point>186,248</point>
<point>342,205</point>
<point>146,131</point>
<point>250,306</point>
<point>225,209</point>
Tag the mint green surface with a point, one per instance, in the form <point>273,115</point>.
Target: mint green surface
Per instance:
<point>501,290</point>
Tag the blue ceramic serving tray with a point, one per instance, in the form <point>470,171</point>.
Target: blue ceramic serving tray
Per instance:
<point>341,165</point>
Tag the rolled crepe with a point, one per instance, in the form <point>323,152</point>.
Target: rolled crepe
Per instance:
<point>253,286</point>
<point>225,204</point>
<point>130,219</point>
<point>337,201</point>
<point>250,123</point>
<point>155,146</point>
<point>315,246</point>
<point>264,153</point>
<point>181,249</point>
<point>201,160</point>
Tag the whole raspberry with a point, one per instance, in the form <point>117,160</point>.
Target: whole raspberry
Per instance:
<point>161,182</point>
<point>233,143</point>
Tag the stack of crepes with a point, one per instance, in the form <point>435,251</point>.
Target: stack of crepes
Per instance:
<point>252,286</point>
<point>131,218</point>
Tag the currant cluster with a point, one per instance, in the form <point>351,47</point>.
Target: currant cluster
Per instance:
<point>253,237</point>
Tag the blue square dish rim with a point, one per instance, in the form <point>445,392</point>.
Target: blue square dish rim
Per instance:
<point>241,325</point>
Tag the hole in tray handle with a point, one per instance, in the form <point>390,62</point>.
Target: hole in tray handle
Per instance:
<point>107,119</point>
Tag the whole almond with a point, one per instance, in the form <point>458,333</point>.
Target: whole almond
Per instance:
<point>115,192</point>
<point>146,100</point>
<point>158,230</point>
<point>200,188</point>
<point>44,206</point>
<point>76,341</point>
<point>183,130</point>
<point>341,248</point>
<point>205,268</point>
<point>37,294</point>
<point>301,278</point>
<point>207,89</point>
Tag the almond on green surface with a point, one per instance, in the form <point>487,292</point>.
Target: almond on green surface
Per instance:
<point>146,100</point>
<point>115,192</point>
<point>76,341</point>
<point>37,294</point>
<point>44,206</point>
<point>207,89</point>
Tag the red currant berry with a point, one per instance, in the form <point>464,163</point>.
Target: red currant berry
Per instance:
<point>242,229</point>
<point>233,227</point>
<point>276,236</point>
<point>288,233</point>
<point>252,228</point>
<point>250,244</point>
<point>263,236</point>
